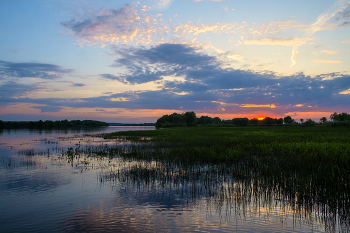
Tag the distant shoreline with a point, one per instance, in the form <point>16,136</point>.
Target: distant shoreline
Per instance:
<point>132,124</point>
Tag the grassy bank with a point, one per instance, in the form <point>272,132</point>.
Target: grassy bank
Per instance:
<point>312,148</point>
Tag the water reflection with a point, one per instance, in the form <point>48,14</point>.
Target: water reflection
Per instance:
<point>229,194</point>
<point>82,183</point>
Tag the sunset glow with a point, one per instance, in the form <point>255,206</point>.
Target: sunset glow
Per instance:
<point>132,61</point>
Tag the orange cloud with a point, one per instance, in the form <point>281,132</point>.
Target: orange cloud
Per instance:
<point>329,51</point>
<point>327,61</point>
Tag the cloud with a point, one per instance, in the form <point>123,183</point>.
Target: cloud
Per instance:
<point>327,61</point>
<point>196,29</point>
<point>31,70</point>
<point>337,8</point>
<point>344,24</point>
<point>204,86</point>
<point>146,65</point>
<point>329,51</point>
<point>126,25</point>
<point>163,4</point>
<point>343,15</point>
<point>47,108</point>
<point>13,89</point>
<point>236,91</point>
<point>78,85</point>
<point>272,41</point>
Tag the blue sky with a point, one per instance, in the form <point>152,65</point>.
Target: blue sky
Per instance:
<point>125,61</point>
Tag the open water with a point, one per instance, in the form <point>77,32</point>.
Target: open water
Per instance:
<point>42,190</point>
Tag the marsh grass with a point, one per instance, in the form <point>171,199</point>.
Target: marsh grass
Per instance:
<point>308,168</point>
<point>323,150</point>
<point>303,169</point>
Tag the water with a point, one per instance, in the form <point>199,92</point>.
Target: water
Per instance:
<point>42,190</point>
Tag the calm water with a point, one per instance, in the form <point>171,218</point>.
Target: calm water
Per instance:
<point>42,190</point>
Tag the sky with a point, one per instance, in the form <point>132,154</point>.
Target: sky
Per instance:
<point>134,61</point>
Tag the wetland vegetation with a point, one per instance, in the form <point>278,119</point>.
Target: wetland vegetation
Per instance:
<point>236,174</point>
<point>306,168</point>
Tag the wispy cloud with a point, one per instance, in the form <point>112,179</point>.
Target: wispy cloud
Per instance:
<point>272,41</point>
<point>329,51</point>
<point>327,61</point>
<point>337,8</point>
<point>31,70</point>
<point>163,4</point>
<point>44,109</point>
<point>13,89</point>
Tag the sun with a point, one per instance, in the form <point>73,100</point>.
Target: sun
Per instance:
<point>261,118</point>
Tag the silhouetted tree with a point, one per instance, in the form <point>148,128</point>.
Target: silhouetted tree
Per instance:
<point>279,121</point>
<point>216,120</point>
<point>254,121</point>
<point>269,121</point>
<point>309,122</point>
<point>288,120</point>
<point>162,121</point>
<point>323,120</point>
<point>240,121</point>
<point>190,118</point>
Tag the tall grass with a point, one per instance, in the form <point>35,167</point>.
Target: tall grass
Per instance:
<point>309,167</point>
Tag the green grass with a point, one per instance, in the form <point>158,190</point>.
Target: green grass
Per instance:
<point>308,167</point>
<point>310,148</point>
<point>319,156</point>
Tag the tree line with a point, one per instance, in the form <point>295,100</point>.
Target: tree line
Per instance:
<point>50,124</point>
<point>189,119</point>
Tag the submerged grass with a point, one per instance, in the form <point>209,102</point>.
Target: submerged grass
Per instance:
<point>307,166</point>
<point>307,169</point>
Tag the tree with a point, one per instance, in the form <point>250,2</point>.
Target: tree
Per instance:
<point>288,120</point>
<point>334,116</point>
<point>323,120</point>
<point>301,120</point>
<point>161,121</point>
<point>191,119</point>
<point>309,122</point>
<point>279,121</point>
<point>269,121</point>
<point>216,120</point>
<point>254,121</point>
<point>205,120</point>
<point>343,116</point>
<point>177,120</point>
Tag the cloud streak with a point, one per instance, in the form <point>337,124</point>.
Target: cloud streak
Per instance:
<point>31,70</point>
<point>337,8</point>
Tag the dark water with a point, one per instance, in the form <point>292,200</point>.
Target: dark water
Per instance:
<point>42,190</point>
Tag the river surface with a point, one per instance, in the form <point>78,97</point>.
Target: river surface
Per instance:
<point>43,190</point>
